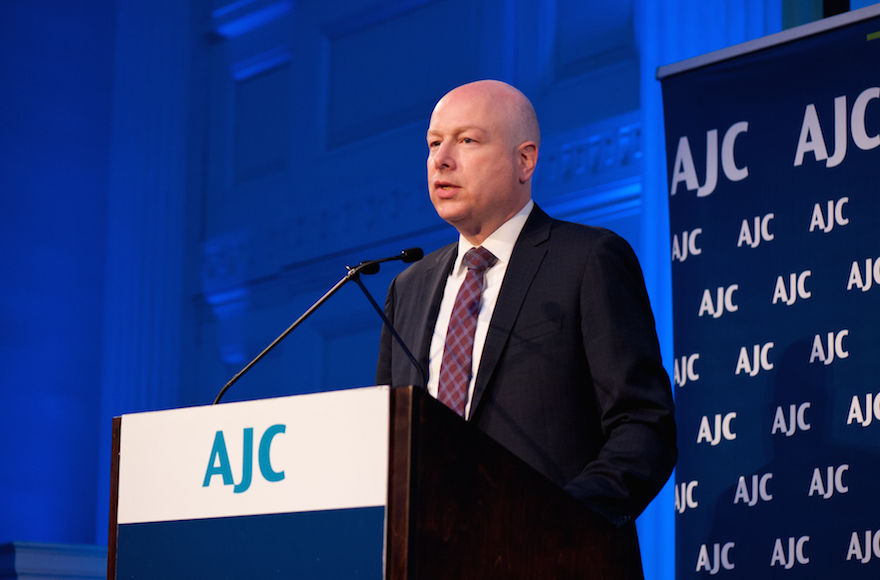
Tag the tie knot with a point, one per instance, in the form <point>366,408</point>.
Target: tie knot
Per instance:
<point>479,259</point>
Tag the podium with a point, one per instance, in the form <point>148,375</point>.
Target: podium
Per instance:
<point>361,483</point>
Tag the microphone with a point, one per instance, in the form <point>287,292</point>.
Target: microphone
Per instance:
<point>367,267</point>
<point>407,256</point>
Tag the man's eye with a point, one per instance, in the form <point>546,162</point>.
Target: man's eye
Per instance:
<point>467,140</point>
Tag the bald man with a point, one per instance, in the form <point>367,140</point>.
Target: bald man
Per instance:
<point>539,331</point>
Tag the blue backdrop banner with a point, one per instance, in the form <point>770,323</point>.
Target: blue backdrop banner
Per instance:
<point>773,161</point>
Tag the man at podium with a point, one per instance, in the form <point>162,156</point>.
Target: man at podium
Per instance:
<point>538,331</point>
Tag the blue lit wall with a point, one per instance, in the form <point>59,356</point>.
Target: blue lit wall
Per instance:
<point>55,90</point>
<point>181,179</point>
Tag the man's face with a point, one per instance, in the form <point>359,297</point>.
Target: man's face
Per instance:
<point>473,174</point>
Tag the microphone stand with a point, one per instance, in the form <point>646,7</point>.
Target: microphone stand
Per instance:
<point>406,351</point>
<point>369,267</point>
<point>352,274</point>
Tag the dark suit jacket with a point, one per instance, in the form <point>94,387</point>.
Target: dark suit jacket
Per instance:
<point>570,377</point>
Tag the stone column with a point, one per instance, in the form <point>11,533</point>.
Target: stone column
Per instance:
<point>145,282</point>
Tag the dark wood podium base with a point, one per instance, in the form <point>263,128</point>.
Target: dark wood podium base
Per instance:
<point>462,506</point>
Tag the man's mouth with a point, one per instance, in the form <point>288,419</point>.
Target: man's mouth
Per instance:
<point>445,185</point>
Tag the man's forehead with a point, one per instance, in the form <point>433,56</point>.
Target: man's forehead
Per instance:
<point>461,115</point>
<point>461,102</point>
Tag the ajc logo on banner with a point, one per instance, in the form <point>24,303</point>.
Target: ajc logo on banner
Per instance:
<point>775,250</point>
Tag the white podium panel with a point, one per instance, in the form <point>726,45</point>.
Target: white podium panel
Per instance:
<point>306,476</point>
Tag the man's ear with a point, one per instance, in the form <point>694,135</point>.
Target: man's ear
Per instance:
<point>527,159</point>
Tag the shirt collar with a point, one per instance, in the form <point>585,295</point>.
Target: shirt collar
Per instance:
<point>501,241</point>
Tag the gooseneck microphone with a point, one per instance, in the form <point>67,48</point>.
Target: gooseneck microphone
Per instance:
<point>407,256</point>
<point>367,267</point>
<point>417,255</point>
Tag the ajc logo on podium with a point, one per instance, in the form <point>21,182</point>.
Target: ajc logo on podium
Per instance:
<point>218,464</point>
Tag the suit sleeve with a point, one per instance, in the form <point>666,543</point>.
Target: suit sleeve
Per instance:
<point>630,385</point>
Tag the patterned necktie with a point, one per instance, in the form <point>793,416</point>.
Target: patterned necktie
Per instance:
<point>455,369</point>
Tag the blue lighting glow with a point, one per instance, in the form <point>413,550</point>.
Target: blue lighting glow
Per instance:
<point>251,21</point>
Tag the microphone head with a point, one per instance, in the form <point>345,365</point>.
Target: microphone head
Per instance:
<point>370,268</point>
<point>410,255</point>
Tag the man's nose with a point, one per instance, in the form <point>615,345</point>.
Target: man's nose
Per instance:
<point>443,157</point>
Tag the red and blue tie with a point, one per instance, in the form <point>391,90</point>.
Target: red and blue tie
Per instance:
<point>455,369</point>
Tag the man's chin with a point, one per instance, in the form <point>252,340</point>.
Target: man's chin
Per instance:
<point>450,212</point>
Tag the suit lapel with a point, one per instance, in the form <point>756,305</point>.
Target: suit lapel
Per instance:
<point>528,253</point>
<point>434,284</point>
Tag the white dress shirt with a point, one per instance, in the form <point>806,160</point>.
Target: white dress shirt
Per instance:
<point>500,243</point>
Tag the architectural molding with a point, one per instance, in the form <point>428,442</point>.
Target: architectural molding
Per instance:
<point>239,18</point>
<point>59,561</point>
<point>590,174</point>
